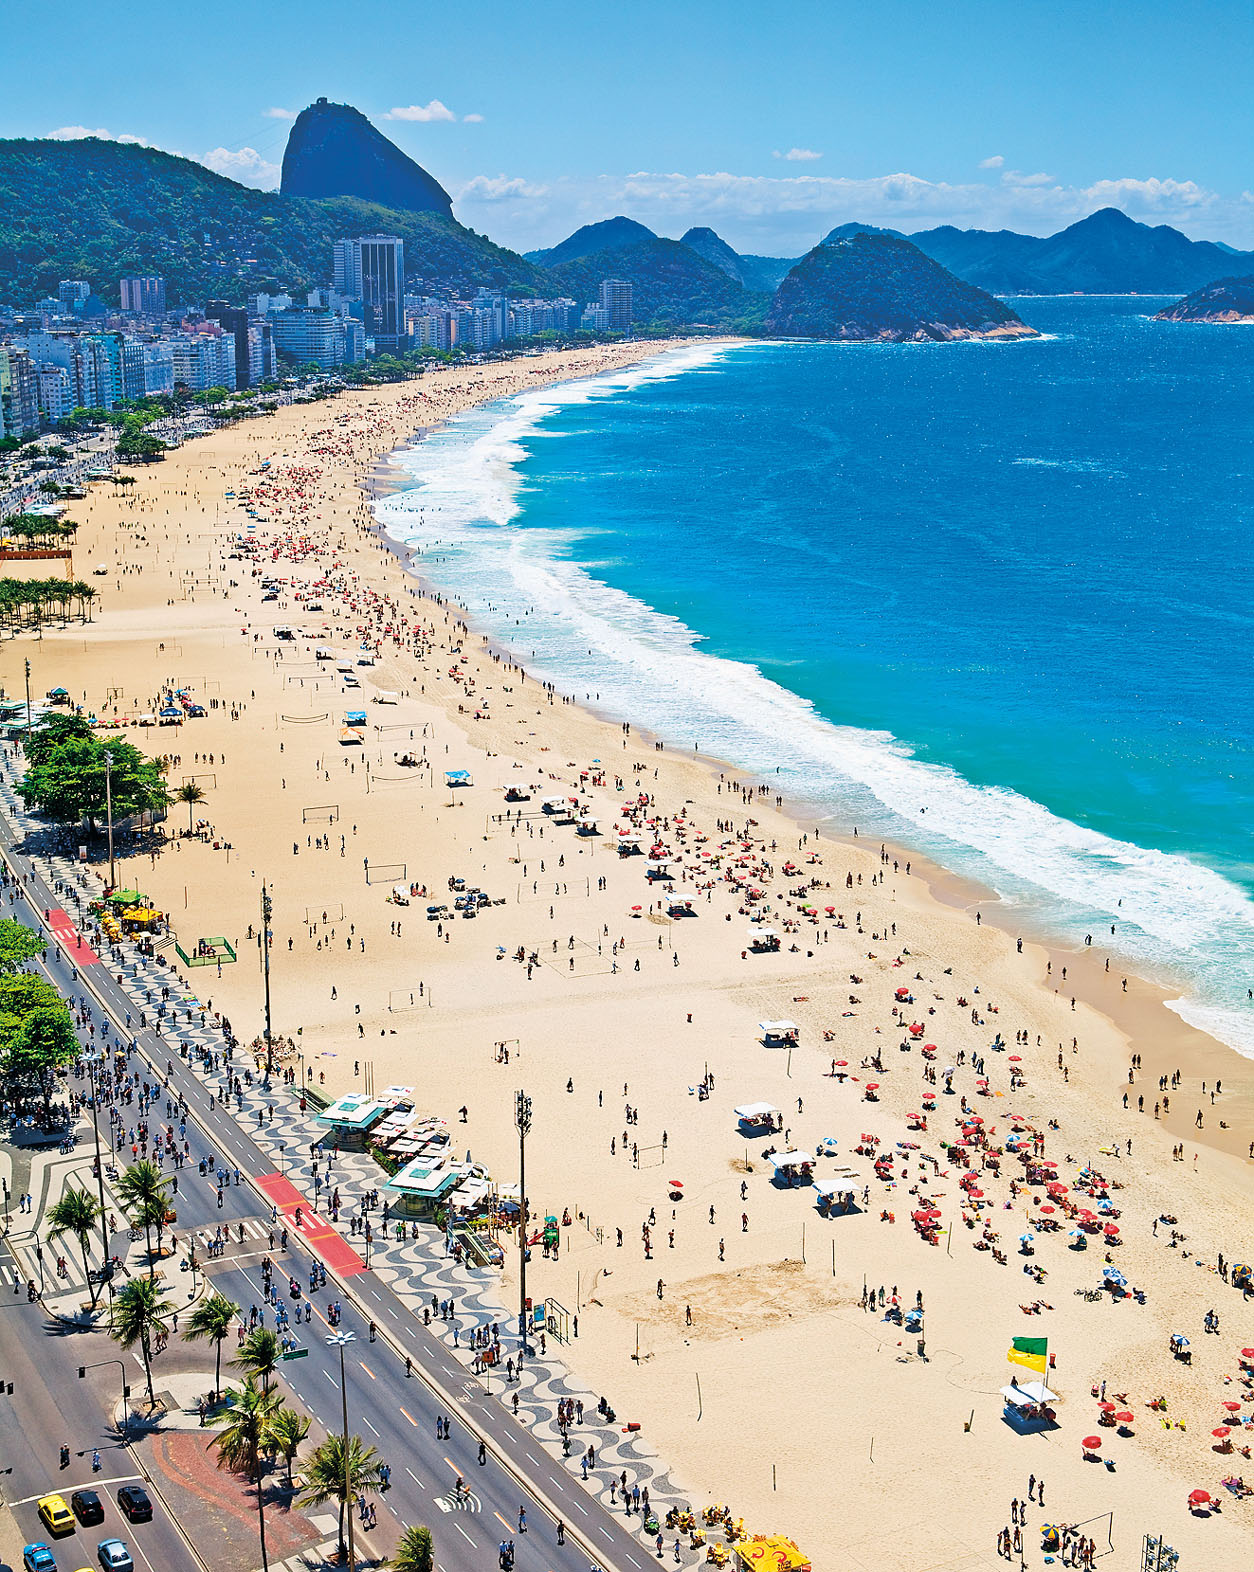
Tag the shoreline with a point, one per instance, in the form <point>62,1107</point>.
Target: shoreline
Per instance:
<point>779,1335</point>
<point>1138,1012</point>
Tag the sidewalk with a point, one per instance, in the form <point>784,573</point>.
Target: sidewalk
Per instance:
<point>420,1272</point>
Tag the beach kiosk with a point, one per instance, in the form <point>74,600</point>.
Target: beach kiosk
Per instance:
<point>792,1168</point>
<point>834,1197</point>
<point>763,941</point>
<point>1029,1407</point>
<point>457,778</point>
<point>779,1034</point>
<point>351,1118</point>
<point>758,1119</point>
<point>425,1183</point>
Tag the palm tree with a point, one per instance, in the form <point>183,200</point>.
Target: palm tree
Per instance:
<point>286,1431</point>
<point>259,1355</point>
<point>415,1552</point>
<point>335,1474</point>
<point>77,1213</point>
<point>138,1311</point>
<point>191,794</point>
<point>145,1195</point>
<point>212,1318</point>
<point>241,1439</point>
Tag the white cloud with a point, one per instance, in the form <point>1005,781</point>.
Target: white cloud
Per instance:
<point>797,155</point>
<point>76,133</point>
<point>280,114</point>
<point>435,110</point>
<point>244,164</point>
<point>784,215</point>
<point>995,162</point>
<point>473,119</point>
<point>499,188</point>
<point>1016,177</point>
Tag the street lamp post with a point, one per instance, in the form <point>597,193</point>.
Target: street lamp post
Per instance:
<point>28,728</point>
<point>341,1340</point>
<point>104,1216</point>
<point>126,1391</point>
<point>522,1118</point>
<point>109,809</point>
<point>267,911</point>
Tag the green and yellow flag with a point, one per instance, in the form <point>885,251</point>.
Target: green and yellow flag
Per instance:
<point>1029,1351</point>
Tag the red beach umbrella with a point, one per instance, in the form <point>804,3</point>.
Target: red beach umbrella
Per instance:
<point>1199,1497</point>
<point>1125,1417</point>
<point>1107,1408</point>
<point>1094,1444</point>
<point>1047,1209</point>
<point>1233,1408</point>
<point>1247,1353</point>
<point>1221,1431</point>
<point>1016,1058</point>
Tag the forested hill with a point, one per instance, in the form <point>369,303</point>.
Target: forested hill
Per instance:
<point>100,210</point>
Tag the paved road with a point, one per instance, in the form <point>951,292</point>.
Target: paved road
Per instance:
<point>51,1407</point>
<point>401,1414</point>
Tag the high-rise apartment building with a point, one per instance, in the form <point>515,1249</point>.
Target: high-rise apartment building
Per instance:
<point>203,361</point>
<point>371,268</point>
<point>233,320</point>
<point>616,303</point>
<point>73,292</point>
<point>310,336</point>
<point>146,295</point>
<point>19,394</point>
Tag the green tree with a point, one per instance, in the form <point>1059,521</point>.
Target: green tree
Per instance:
<point>336,1473</point>
<point>139,1310</point>
<point>77,1212</point>
<point>34,1044</point>
<point>213,1318</point>
<point>18,944</point>
<point>68,784</point>
<point>285,1432</point>
<point>145,1195</point>
<point>242,1431</point>
<point>415,1552</point>
<point>191,794</point>
<point>258,1355</point>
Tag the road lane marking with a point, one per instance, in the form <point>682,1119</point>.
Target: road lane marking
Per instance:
<point>330,1378</point>
<point>410,1417</point>
<point>465,1536</point>
<point>365,1421</point>
<point>366,1368</point>
<point>415,1479</point>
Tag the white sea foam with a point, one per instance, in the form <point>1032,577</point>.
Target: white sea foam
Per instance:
<point>1173,917</point>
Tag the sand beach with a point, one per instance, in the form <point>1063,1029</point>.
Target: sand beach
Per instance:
<point>753,1337</point>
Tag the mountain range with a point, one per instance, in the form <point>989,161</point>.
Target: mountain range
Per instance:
<point>97,209</point>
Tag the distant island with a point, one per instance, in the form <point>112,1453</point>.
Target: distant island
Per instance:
<point>879,287</point>
<point>1226,300</point>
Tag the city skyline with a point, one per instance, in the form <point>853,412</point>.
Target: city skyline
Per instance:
<point>769,130</point>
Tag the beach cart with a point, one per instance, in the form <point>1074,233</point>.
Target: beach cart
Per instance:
<point>758,1118</point>
<point>779,1034</point>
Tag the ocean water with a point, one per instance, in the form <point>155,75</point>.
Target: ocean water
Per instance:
<point>992,599</point>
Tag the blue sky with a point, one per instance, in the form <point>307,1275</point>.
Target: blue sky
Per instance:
<point>770,122</point>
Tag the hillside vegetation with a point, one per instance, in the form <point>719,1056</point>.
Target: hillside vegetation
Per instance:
<point>98,210</point>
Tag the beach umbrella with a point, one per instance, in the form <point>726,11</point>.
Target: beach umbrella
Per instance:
<point>1107,1407</point>
<point>1047,1209</point>
<point>1112,1229</point>
<point>1222,1431</point>
<point>1233,1408</point>
<point>1016,1058</point>
<point>1094,1444</point>
<point>976,1195</point>
<point>1199,1497</point>
<point>1247,1353</point>
<point>1125,1417</point>
<point>1026,1238</point>
<point>872,1086</point>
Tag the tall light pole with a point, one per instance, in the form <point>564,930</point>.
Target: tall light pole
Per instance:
<point>104,1216</point>
<point>341,1340</point>
<point>267,911</point>
<point>522,1118</point>
<point>28,701</point>
<point>109,809</point>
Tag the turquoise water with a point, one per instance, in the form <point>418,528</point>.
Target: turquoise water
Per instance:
<point>991,598</point>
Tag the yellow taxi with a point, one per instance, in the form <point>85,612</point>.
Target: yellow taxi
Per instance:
<point>57,1517</point>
